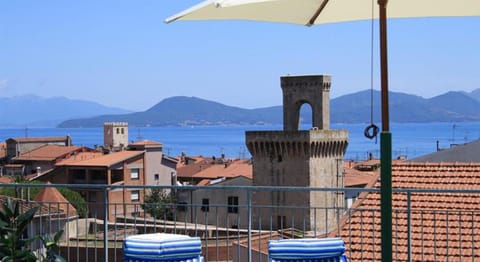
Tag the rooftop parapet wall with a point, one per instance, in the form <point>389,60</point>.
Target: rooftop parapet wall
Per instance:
<point>119,124</point>
<point>311,143</point>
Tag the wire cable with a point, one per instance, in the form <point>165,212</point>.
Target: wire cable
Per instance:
<point>372,130</point>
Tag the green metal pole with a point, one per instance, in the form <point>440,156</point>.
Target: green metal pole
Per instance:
<point>386,195</point>
<point>385,142</point>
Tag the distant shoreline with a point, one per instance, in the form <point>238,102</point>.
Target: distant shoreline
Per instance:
<point>410,139</point>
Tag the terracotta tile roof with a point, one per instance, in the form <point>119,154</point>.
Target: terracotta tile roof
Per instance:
<point>79,157</point>
<point>44,210</point>
<point>185,171</point>
<point>192,160</point>
<point>358,178</point>
<point>106,160</point>
<point>368,165</point>
<point>5,179</point>
<point>204,182</point>
<point>233,168</point>
<point>48,153</point>
<point>443,224</point>
<point>39,139</point>
<point>50,196</point>
<point>207,168</point>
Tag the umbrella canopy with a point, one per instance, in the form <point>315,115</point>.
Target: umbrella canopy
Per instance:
<point>309,12</point>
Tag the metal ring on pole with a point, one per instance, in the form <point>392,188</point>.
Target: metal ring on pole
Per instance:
<point>371,131</point>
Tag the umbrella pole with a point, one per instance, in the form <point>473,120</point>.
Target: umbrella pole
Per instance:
<point>385,142</point>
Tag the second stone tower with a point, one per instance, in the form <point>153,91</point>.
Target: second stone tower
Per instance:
<point>299,158</point>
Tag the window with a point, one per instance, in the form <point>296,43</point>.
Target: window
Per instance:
<point>135,195</point>
<point>156,177</point>
<point>205,205</point>
<point>134,173</point>
<point>118,130</point>
<point>123,132</point>
<point>232,204</point>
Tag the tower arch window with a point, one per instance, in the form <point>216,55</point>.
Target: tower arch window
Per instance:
<point>305,116</point>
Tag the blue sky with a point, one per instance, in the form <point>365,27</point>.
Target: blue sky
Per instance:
<point>121,53</point>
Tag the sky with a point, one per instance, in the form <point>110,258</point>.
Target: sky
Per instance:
<point>122,54</point>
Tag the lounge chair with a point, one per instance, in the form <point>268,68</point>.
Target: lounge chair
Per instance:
<point>307,249</point>
<point>162,247</point>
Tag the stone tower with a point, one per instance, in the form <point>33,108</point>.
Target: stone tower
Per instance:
<point>115,135</point>
<point>300,158</point>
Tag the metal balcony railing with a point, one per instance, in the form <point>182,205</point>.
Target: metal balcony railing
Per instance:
<point>235,225</point>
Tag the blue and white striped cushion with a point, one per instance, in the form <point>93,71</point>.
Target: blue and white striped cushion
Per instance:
<point>161,247</point>
<point>314,250</point>
<point>193,259</point>
<point>328,259</point>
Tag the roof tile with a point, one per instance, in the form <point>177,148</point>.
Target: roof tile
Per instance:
<point>441,222</point>
<point>105,160</point>
<point>48,153</point>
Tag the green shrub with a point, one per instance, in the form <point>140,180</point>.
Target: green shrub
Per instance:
<point>13,226</point>
<point>76,200</point>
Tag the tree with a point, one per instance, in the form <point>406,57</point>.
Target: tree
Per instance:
<point>159,204</point>
<point>76,200</point>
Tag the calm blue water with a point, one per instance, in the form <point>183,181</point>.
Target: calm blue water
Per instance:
<point>407,139</point>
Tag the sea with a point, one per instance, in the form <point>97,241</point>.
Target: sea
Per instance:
<point>409,140</point>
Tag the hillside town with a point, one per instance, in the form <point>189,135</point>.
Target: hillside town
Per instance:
<point>297,184</point>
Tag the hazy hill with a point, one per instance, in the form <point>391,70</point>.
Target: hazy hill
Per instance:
<point>352,108</point>
<point>355,108</point>
<point>448,107</point>
<point>475,94</point>
<point>35,111</point>
<point>456,105</point>
<point>181,110</point>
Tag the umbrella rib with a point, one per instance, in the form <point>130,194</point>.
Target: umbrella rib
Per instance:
<point>317,13</point>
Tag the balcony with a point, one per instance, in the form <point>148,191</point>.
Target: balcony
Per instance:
<point>234,228</point>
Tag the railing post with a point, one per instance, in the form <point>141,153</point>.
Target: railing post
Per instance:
<point>409,227</point>
<point>249,218</point>
<point>105,224</point>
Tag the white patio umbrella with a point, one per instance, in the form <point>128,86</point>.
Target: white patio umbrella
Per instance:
<point>313,12</point>
<point>310,12</point>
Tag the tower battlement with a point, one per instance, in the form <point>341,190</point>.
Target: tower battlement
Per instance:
<point>311,143</point>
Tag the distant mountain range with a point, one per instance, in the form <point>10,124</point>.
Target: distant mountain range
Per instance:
<point>186,111</point>
<point>35,111</point>
<point>352,108</point>
<point>448,107</point>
